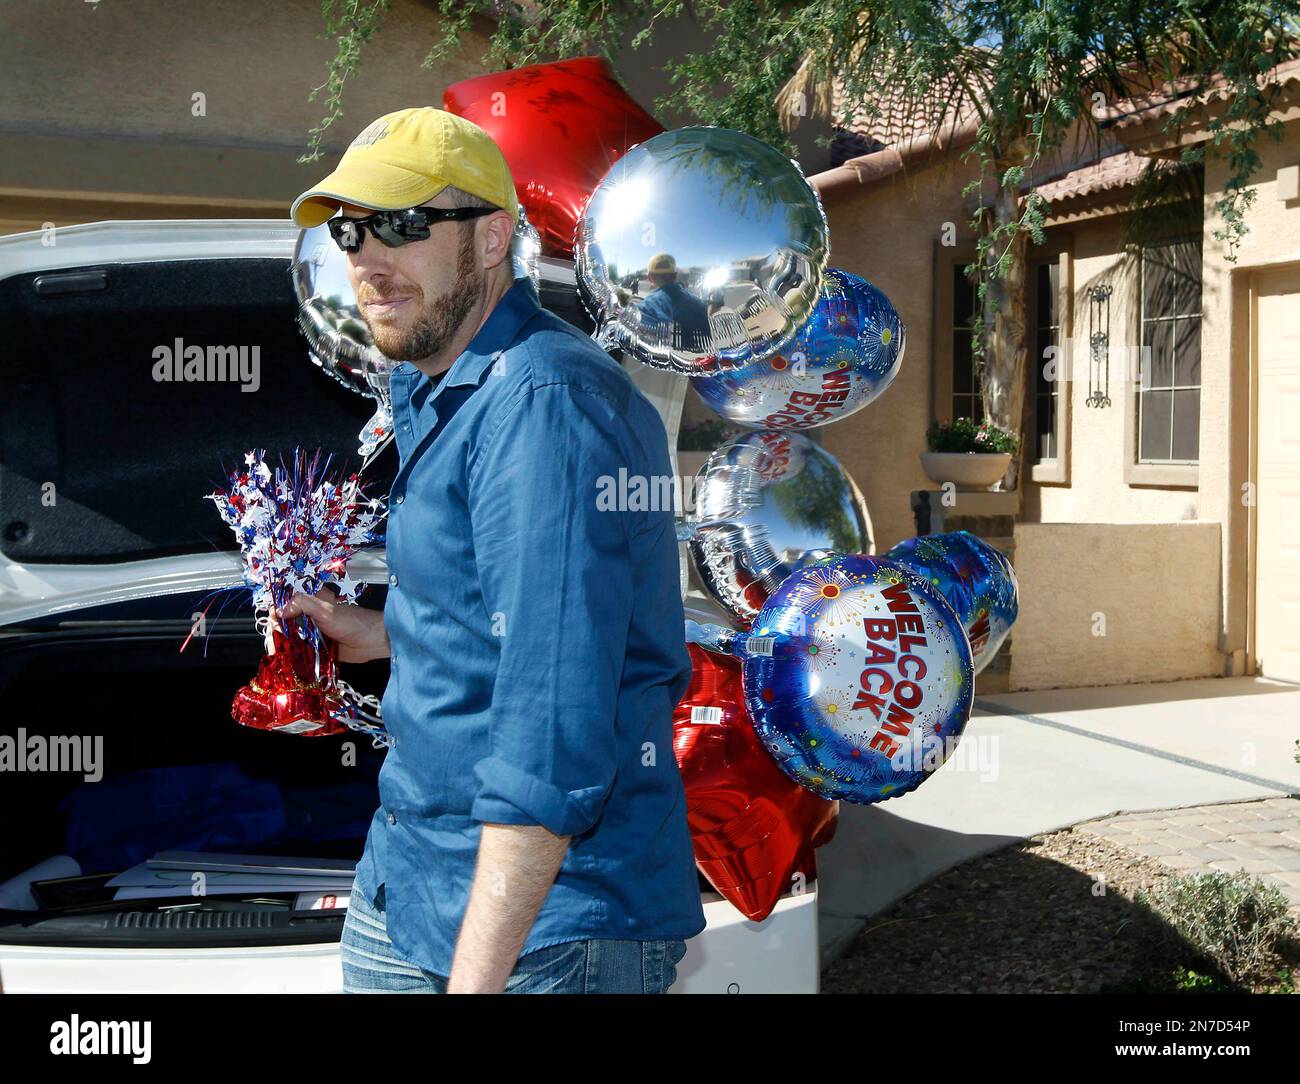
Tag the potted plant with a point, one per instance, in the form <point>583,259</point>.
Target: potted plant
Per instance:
<point>970,455</point>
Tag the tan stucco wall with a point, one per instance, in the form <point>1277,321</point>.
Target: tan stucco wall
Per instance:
<point>98,102</point>
<point>887,234</point>
<point>1152,589</point>
<point>1226,414</point>
<point>1097,491</point>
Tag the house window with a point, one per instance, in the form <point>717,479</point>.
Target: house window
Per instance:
<point>967,401</point>
<point>1047,334</point>
<point>1169,393</point>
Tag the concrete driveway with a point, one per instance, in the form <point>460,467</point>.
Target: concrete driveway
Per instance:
<point>1035,762</point>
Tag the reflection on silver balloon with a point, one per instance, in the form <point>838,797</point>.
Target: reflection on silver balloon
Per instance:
<point>336,332</point>
<point>527,249</point>
<point>337,335</point>
<point>702,249</point>
<point>766,504</point>
<point>843,357</point>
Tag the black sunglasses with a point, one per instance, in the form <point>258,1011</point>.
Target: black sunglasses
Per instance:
<point>397,228</point>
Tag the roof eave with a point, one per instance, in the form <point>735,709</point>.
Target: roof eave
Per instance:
<point>1140,122</point>
<point>857,173</point>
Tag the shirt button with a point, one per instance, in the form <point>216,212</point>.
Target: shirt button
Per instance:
<point>401,497</point>
<point>393,579</point>
<point>392,818</point>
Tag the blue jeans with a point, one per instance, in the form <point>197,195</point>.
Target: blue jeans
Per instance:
<point>372,966</point>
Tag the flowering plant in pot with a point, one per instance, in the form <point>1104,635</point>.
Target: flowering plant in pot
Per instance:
<point>969,454</point>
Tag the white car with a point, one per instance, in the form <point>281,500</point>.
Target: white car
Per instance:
<point>115,744</point>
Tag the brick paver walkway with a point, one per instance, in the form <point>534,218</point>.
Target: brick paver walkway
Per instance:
<point>1261,837</point>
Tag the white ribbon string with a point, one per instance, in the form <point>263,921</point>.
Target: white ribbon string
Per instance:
<point>363,714</point>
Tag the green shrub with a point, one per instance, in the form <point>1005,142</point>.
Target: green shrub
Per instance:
<point>1236,920</point>
<point>963,435</point>
<point>1186,981</point>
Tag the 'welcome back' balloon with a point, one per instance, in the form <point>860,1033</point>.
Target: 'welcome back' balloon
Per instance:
<point>858,678</point>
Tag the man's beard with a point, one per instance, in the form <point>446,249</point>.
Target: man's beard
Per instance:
<point>439,319</point>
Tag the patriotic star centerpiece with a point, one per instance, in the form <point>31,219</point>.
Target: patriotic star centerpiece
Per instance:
<point>297,528</point>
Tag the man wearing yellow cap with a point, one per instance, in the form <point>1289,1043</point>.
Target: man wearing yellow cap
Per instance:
<point>678,315</point>
<point>532,832</point>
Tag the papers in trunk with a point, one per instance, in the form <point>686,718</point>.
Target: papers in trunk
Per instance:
<point>192,873</point>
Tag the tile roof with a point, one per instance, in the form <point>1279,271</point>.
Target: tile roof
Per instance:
<point>904,133</point>
<point>1168,98</point>
<point>1114,172</point>
<point>897,120</point>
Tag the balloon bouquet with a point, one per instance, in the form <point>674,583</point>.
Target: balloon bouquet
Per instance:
<point>703,251</point>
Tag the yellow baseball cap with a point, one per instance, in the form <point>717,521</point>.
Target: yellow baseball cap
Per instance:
<point>662,263</point>
<point>406,158</point>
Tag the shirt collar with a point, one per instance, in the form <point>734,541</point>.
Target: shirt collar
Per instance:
<point>499,330</point>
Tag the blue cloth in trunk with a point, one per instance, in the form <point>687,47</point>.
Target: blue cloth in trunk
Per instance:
<point>117,823</point>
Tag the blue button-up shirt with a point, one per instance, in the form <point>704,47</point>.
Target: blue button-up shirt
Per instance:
<point>535,616</point>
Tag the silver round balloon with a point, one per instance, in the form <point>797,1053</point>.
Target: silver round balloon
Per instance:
<point>701,250</point>
<point>843,357</point>
<point>768,503</point>
<point>338,337</point>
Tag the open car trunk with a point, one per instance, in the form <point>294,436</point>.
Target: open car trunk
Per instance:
<point>107,551</point>
<point>169,770</point>
<point>103,470</point>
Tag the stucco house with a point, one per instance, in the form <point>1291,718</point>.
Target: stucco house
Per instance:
<point>1155,536</point>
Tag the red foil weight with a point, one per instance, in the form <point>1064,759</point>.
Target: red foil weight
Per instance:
<point>288,695</point>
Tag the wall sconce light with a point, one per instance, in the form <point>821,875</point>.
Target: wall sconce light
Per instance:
<point>1099,346</point>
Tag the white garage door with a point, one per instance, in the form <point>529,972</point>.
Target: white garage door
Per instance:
<point>1277,545</point>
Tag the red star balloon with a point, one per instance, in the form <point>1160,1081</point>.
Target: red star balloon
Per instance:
<point>560,126</point>
<point>753,828</point>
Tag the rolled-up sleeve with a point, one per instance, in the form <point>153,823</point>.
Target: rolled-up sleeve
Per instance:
<point>554,564</point>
